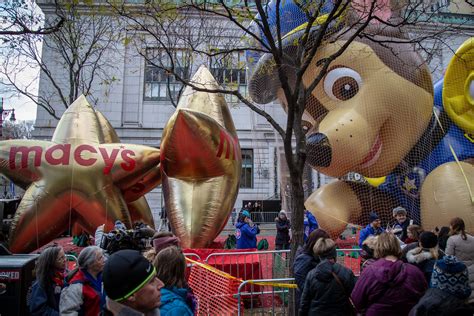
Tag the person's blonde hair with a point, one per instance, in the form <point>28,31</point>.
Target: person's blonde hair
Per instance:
<point>371,241</point>
<point>323,246</point>
<point>387,245</point>
<point>150,254</point>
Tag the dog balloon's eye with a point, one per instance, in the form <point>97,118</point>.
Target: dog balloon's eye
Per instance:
<point>341,84</point>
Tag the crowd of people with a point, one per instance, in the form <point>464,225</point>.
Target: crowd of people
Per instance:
<point>126,282</point>
<point>405,271</point>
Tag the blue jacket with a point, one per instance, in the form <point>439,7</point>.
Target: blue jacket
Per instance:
<point>310,223</point>
<point>173,302</point>
<point>40,305</point>
<point>366,232</point>
<point>246,235</point>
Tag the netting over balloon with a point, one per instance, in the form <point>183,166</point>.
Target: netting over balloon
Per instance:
<point>377,113</point>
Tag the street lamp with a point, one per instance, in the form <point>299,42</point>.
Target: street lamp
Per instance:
<point>3,115</point>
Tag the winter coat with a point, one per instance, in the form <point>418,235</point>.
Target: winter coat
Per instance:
<point>246,235</point>
<point>368,231</point>
<point>173,302</point>
<point>83,296</point>
<point>116,309</point>
<point>283,232</point>
<point>407,248</point>
<point>440,303</point>
<point>388,288</point>
<point>423,259</point>
<point>400,230</point>
<point>309,223</point>
<point>39,303</point>
<point>304,262</point>
<point>323,295</point>
<point>464,251</point>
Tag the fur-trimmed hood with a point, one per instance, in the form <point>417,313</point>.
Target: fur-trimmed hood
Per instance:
<point>418,255</point>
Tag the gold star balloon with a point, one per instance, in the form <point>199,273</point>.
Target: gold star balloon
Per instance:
<point>83,176</point>
<point>200,163</point>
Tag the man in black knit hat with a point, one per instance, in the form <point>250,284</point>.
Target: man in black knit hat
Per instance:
<point>131,285</point>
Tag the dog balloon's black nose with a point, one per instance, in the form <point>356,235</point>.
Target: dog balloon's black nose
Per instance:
<point>318,150</point>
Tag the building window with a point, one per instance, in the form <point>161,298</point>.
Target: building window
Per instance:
<point>230,71</point>
<point>246,178</point>
<point>160,85</point>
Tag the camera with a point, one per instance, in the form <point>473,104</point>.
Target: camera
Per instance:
<point>119,239</point>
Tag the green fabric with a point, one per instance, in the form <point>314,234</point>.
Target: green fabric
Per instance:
<point>262,244</point>
<point>230,242</point>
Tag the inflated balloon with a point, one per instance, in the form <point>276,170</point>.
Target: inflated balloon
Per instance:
<point>77,177</point>
<point>200,163</point>
<point>376,113</point>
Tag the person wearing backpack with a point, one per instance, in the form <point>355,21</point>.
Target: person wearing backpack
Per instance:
<point>327,287</point>
<point>246,232</point>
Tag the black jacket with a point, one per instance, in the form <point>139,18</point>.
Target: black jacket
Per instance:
<point>440,303</point>
<point>323,295</point>
<point>283,232</point>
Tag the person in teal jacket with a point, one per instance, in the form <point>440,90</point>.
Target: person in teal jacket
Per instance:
<point>173,302</point>
<point>176,296</point>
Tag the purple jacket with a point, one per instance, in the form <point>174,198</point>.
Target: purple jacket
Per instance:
<point>389,288</point>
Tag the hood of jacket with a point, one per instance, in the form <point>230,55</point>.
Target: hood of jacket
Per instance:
<point>324,271</point>
<point>386,271</point>
<point>417,256</point>
<point>171,294</point>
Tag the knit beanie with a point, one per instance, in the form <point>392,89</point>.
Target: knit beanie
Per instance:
<point>283,212</point>
<point>125,273</point>
<point>164,242</point>
<point>373,217</point>
<point>428,240</point>
<point>451,275</point>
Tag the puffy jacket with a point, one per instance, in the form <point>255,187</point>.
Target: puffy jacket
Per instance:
<point>323,295</point>
<point>464,251</point>
<point>440,303</point>
<point>116,309</point>
<point>304,262</point>
<point>173,302</point>
<point>39,303</point>
<point>309,223</point>
<point>246,235</point>
<point>388,288</point>
<point>283,232</point>
<point>82,296</point>
<point>424,260</point>
<point>368,231</point>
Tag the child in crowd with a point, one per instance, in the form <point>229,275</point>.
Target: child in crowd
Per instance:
<point>400,225</point>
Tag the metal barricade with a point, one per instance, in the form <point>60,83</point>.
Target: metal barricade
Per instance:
<point>350,258</point>
<point>189,265</point>
<point>71,262</point>
<point>265,296</point>
<point>250,265</point>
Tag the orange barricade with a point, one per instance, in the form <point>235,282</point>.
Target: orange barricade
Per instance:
<point>214,290</point>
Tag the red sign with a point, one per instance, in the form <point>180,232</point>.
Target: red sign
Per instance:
<point>63,156</point>
<point>9,275</point>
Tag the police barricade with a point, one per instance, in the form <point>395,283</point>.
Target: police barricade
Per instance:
<point>189,264</point>
<point>250,265</point>
<point>350,258</point>
<point>275,294</point>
